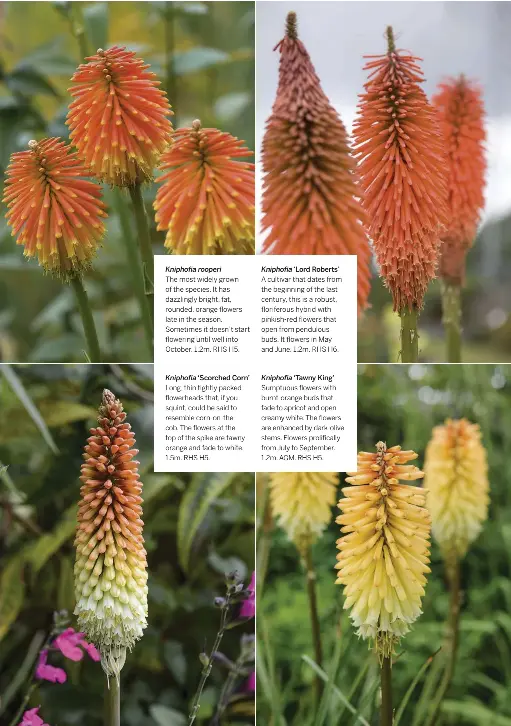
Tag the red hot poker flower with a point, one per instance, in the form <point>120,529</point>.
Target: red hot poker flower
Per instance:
<point>310,196</point>
<point>206,198</point>
<point>118,119</point>
<point>402,168</point>
<point>461,112</point>
<point>52,210</point>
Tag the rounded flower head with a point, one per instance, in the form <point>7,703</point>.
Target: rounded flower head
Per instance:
<point>302,503</point>
<point>384,551</point>
<point>54,212</point>
<point>118,119</point>
<point>110,569</point>
<point>461,112</point>
<point>310,198</point>
<point>402,168</point>
<point>457,484</point>
<point>206,198</point>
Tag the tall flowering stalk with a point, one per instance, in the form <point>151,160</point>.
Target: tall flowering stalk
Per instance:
<point>399,146</point>
<point>461,112</point>
<point>111,567</point>
<point>57,215</point>
<point>310,195</point>
<point>119,123</point>
<point>383,552</point>
<point>302,504</point>
<point>206,198</point>
<point>456,480</point>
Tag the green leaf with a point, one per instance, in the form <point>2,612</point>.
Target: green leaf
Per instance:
<point>197,59</point>
<point>12,591</point>
<point>232,104</point>
<point>175,660</point>
<point>165,716</point>
<point>39,552</point>
<point>203,490</point>
<point>60,413</point>
<point>29,82</point>
<point>404,702</point>
<point>95,19</point>
<point>48,59</point>
<point>474,712</point>
<point>20,391</point>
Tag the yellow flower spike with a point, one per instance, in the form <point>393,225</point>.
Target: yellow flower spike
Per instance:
<point>456,472</point>
<point>301,502</point>
<point>384,548</point>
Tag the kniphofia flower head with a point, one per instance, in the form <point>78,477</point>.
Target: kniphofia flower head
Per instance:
<point>206,199</point>
<point>402,169</point>
<point>461,112</point>
<point>54,212</point>
<point>118,119</point>
<point>111,569</point>
<point>310,197</point>
<point>302,502</point>
<point>384,551</point>
<point>457,483</point>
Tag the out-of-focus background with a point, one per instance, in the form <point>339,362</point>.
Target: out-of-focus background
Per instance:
<point>400,404</point>
<point>197,528</point>
<point>451,38</point>
<point>203,52</point>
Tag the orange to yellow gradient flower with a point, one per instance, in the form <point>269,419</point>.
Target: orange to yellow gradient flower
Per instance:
<point>461,112</point>
<point>456,472</point>
<point>310,196</point>
<point>206,198</point>
<point>401,157</point>
<point>384,549</point>
<point>54,212</point>
<point>302,503</point>
<point>118,119</point>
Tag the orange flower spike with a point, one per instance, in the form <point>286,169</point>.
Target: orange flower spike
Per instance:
<point>402,167</point>
<point>206,198</point>
<point>461,112</point>
<point>310,196</point>
<point>118,119</point>
<point>54,213</point>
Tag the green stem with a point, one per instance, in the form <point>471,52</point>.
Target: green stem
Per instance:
<point>144,240</point>
<point>409,336</point>
<point>451,318</point>
<point>451,637</point>
<point>136,271</point>
<point>170,43</point>
<point>264,539</point>
<point>386,714</point>
<point>113,702</point>
<point>89,327</point>
<point>314,616</point>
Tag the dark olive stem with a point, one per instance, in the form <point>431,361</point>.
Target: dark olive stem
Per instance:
<point>89,327</point>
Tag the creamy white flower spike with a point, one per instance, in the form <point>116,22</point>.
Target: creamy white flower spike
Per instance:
<point>111,567</point>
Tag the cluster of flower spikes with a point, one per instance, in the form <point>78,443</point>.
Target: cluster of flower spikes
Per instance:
<point>118,119</point>
<point>384,551</point>
<point>53,211</point>
<point>456,479</point>
<point>461,113</point>
<point>310,196</point>
<point>302,502</point>
<point>206,199</point>
<point>400,150</point>
<point>111,567</point>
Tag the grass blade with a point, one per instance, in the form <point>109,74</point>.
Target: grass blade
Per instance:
<point>408,694</point>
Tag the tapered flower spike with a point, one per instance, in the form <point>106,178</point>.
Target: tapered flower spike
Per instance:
<point>461,112</point>
<point>302,502</point>
<point>399,147</point>
<point>310,195</point>
<point>54,212</point>
<point>111,568</point>
<point>456,479</point>
<point>118,119</point>
<point>384,551</point>
<point>206,199</point>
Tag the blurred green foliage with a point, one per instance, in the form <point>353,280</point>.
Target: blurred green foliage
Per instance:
<point>46,413</point>
<point>203,52</point>
<point>401,404</point>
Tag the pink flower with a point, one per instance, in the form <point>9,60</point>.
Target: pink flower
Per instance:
<point>68,643</point>
<point>48,672</point>
<point>248,606</point>
<point>30,718</point>
<point>250,682</point>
